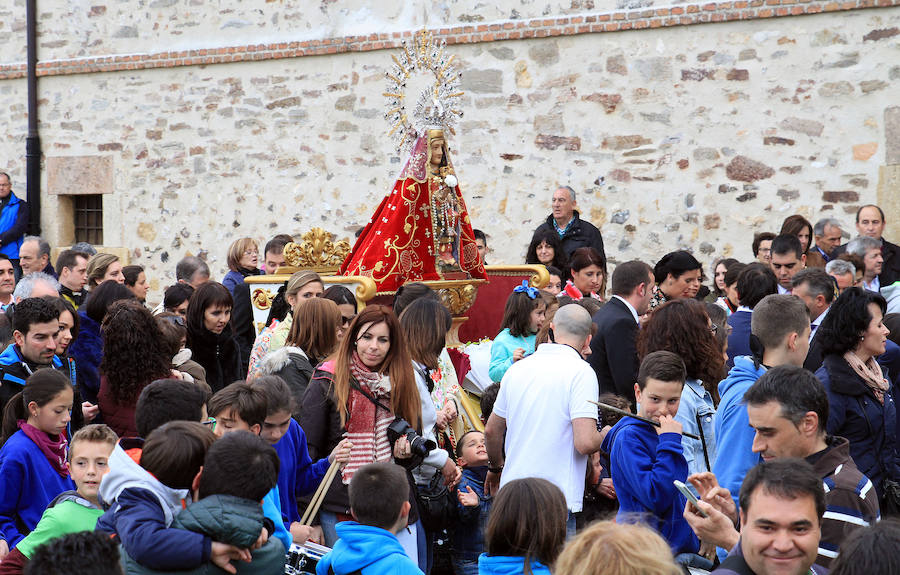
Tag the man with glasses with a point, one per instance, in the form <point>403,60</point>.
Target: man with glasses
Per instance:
<point>13,222</point>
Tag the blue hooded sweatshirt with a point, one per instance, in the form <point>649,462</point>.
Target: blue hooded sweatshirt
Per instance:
<point>298,475</point>
<point>644,465</point>
<point>732,425</point>
<point>501,565</point>
<point>372,550</point>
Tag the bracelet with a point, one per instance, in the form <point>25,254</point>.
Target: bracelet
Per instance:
<point>497,470</point>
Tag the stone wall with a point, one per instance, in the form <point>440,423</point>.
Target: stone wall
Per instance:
<point>679,136</point>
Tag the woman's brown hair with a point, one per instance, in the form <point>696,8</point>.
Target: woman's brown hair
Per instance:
<point>397,365</point>
<point>682,327</point>
<point>609,548</point>
<point>528,520</point>
<point>314,329</point>
<point>425,325</point>
<point>793,225</point>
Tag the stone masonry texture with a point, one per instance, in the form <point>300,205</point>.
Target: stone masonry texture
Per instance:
<point>674,136</point>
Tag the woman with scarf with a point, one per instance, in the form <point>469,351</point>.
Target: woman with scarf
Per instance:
<point>357,395</point>
<point>210,337</point>
<point>861,404</point>
<point>33,460</point>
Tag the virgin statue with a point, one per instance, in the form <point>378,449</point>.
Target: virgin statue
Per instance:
<point>421,230</point>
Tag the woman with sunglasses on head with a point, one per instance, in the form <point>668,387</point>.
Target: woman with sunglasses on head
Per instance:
<point>313,337</point>
<point>300,287</point>
<point>346,303</point>
<point>357,395</point>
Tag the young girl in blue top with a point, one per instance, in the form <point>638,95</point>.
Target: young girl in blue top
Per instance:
<point>522,318</point>
<point>33,459</point>
<point>526,530</point>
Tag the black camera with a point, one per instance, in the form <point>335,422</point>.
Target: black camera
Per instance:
<point>400,428</point>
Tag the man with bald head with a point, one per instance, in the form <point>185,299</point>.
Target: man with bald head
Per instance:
<point>544,416</point>
<point>565,221</point>
<point>870,223</point>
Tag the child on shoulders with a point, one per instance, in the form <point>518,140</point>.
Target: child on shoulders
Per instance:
<point>144,499</point>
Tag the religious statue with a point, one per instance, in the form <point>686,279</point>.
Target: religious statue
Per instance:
<point>421,230</point>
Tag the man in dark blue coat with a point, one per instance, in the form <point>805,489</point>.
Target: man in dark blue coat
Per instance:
<point>573,232</point>
<point>614,347</point>
<point>13,222</point>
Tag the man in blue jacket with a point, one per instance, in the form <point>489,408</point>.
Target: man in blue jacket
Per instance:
<point>35,328</point>
<point>781,325</point>
<point>645,460</point>
<point>13,222</point>
<point>379,501</point>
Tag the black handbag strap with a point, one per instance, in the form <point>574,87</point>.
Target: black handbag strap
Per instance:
<point>355,385</point>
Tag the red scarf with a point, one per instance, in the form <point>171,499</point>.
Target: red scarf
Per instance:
<point>56,451</point>
<point>367,425</point>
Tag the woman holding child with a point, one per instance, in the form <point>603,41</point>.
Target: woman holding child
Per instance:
<point>357,395</point>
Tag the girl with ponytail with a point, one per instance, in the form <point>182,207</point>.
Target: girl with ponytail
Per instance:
<point>33,459</point>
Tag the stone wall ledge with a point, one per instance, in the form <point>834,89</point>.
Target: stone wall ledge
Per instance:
<point>601,22</point>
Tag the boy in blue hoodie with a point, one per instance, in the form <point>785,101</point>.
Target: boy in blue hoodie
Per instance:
<point>144,498</point>
<point>645,460</point>
<point>379,501</point>
<point>780,325</point>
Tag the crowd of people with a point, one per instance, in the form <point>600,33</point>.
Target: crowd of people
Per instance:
<point>644,418</point>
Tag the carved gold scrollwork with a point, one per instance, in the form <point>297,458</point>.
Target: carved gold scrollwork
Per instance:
<point>262,298</point>
<point>318,249</point>
<point>458,299</point>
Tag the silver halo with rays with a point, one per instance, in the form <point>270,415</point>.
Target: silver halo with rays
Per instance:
<point>422,66</point>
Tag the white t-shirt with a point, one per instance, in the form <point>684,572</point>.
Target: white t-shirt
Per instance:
<point>539,397</point>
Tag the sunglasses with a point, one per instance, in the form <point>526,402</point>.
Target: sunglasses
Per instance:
<point>345,321</point>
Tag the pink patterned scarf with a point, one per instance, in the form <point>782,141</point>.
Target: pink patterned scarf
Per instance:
<point>56,451</point>
<point>367,425</point>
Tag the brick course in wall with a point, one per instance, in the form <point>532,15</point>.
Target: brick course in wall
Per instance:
<point>621,20</point>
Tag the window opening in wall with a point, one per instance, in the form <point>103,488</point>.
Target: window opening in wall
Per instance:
<point>89,219</point>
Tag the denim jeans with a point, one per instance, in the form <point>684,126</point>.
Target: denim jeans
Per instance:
<point>465,566</point>
<point>328,520</point>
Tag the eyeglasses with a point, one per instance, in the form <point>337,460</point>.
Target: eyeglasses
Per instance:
<point>211,422</point>
<point>251,252</point>
<point>345,321</point>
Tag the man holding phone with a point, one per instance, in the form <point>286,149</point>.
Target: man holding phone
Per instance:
<point>788,409</point>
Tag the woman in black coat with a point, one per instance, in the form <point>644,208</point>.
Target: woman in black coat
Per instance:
<point>210,336</point>
<point>861,404</point>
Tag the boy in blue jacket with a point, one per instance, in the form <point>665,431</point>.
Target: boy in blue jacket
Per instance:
<point>144,499</point>
<point>474,506</point>
<point>379,501</point>
<point>645,460</point>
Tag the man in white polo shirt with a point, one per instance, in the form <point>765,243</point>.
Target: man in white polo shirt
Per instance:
<point>544,413</point>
